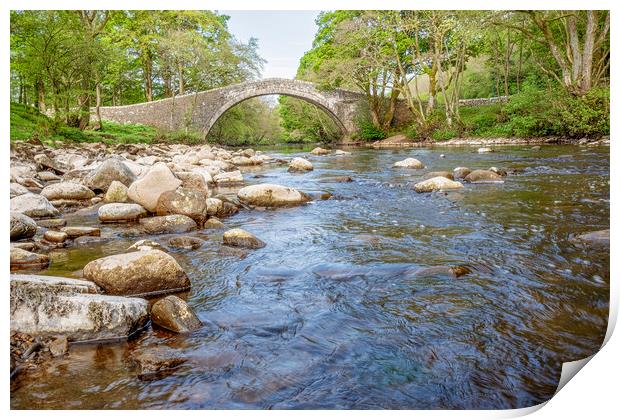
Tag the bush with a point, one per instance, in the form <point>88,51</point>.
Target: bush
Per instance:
<point>446,133</point>
<point>368,131</point>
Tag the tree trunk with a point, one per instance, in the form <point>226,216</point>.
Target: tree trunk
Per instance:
<point>147,69</point>
<point>181,80</point>
<point>41,96</point>
<point>84,118</point>
<point>98,107</point>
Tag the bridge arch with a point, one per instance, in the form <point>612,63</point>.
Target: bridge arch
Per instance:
<point>294,88</point>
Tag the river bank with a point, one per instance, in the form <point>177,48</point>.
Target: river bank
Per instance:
<point>403,141</point>
<point>345,278</point>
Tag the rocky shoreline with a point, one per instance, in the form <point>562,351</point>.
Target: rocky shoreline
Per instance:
<point>153,190</point>
<point>403,141</point>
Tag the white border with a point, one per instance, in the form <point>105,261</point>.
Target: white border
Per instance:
<point>592,395</point>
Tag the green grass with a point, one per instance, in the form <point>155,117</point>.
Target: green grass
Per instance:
<point>27,123</point>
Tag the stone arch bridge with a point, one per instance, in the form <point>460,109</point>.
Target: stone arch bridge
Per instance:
<point>201,110</point>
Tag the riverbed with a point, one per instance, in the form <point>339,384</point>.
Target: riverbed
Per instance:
<point>334,313</point>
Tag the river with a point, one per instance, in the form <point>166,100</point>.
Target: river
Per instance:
<point>334,312</point>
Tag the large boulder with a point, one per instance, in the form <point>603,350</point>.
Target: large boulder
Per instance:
<point>113,169</point>
<point>482,176</point>
<point>173,223</point>
<point>191,203</point>
<point>46,162</point>
<point>67,191</point>
<point>26,260</point>
<point>116,193</point>
<point>174,314</point>
<point>137,273</point>
<point>409,163</point>
<point>121,212</point>
<point>193,181</point>
<point>299,164</point>
<point>33,205</point>
<point>271,195</point>
<point>242,239</point>
<point>147,190</point>
<point>438,183</point>
<point>22,226</point>
<point>56,306</point>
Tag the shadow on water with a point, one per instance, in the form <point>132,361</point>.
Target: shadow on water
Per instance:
<point>334,313</point>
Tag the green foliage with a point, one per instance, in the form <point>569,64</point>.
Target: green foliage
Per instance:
<point>445,133</point>
<point>368,131</point>
<point>303,122</point>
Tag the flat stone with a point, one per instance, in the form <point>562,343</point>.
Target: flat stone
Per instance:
<point>145,245</point>
<point>137,273</point>
<point>71,310</point>
<point>18,189</point>
<point>48,176</point>
<point>67,191</point>
<point>438,183</point>
<point>77,231</point>
<point>22,226</point>
<point>25,260</point>
<point>233,177</point>
<point>28,246</point>
<point>121,212</point>
<point>271,195</point>
<point>242,239</point>
<point>51,223</point>
<point>33,205</point>
<point>174,223</point>
<point>174,314</point>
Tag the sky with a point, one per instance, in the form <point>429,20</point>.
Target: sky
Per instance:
<point>283,36</point>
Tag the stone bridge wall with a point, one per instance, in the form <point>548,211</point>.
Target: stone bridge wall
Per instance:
<point>200,111</point>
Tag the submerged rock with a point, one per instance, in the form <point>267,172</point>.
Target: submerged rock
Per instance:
<point>59,346</point>
<point>481,176</point>
<point>33,205</point>
<point>445,174</point>
<point>25,260</point>
<point>271,195</point>
<point>439,183</point>
<point>113,169</point>
<point>242,239</point>
<point>22,226</point>
<point>174,223</point>
<point>145,245</point>
<point>67,191</point>
<point>147,190</point>
<point>213,223</point>
<point>186,242</point>
<point>51,223</point>
<point>174,314</point>
<point>137,273</point>
<point>409,163</point>
<point>485,150</point>
<point>121,212</point>
<point>156,359</point>
<point>300,165</point>
<point>52,306</point>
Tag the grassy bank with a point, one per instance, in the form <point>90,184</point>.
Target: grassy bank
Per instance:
<point>27,123</point>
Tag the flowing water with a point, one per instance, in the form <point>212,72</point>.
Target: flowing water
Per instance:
<point>334,313</point>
